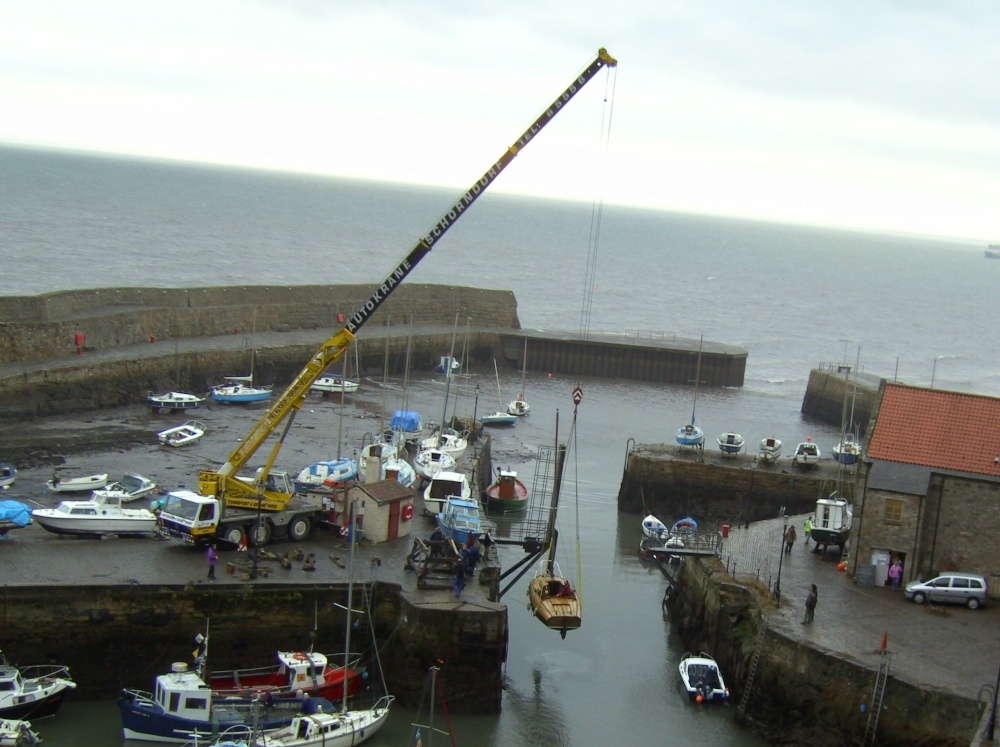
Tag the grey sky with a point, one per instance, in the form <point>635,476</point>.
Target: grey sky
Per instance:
<point>856,114</point>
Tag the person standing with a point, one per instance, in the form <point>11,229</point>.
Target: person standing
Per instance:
<point>807,529</point>
<point>211,557</point>
<point>811,599</point>
<point>789,539</point>
<point>459,584</point>
<point>896,573</point>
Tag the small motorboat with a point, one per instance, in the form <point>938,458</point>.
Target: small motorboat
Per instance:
<point>770,449</point>
<point>8,473</point>
<point>324,476</point>
<point>806,454</point>
<point>507,493</point>
<point>334,385</point>
<point>35,691</point>
<point>295,671</point>
<point>731,444</point>
<point>653,527</point>
<point>847,450</point>
<point>701,678</point>
<point>450,442</point>
<point>443,485</point>
<point>182,435</point>
<point>430,462</point>
<point>407,424</point>
<point>77,484</point>
<point>460,520</point>
<point>17,733</point>
<point>99,516</point>
<point>518,406</point>
<point>129,488</point>
<point>498,418</point>
<point>174,401</point>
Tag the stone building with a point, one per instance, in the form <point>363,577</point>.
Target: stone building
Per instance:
<point>932,486</point>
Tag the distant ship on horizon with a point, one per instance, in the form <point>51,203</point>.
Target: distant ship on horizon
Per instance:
<point>993,251</point>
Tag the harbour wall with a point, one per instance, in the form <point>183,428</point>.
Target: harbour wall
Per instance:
<point>670,482</point>
<point>77,351</point>
<point>123,636</point>
<point>835,395</point>
<point>713,612</point>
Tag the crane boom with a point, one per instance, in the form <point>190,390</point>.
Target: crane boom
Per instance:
<point>223,482</point>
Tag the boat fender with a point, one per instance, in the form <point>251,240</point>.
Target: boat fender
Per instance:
<point>407,512</point>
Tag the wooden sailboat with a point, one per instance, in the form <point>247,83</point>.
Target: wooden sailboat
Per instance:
<point>520,406</point>
<point>551,596</point>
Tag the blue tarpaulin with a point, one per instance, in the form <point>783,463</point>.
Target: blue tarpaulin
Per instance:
<point>15,512</point>
<point>405,420</point>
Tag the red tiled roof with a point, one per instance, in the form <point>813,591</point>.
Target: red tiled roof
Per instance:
<point>935,428</point>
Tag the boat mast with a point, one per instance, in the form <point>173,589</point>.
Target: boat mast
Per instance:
<point>524,366</point>
<point>447,380</point>
<point>352,523</point>
<point>553,533</point>
<point>697,378</point>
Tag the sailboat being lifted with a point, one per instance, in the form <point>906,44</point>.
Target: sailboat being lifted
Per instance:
<point>551,597</point>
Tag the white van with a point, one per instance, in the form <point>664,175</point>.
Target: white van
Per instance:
<point>951,588</point>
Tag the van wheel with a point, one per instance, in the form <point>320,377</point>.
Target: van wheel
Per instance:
<point>919,597</point>
<point>973,603</point>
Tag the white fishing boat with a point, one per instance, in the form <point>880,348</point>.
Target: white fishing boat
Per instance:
<point>182,435</point>
<point>77,484</point>
<point>174,401</point>
<point>428,463</point>
<point>129,488</point>
<point>37,691</point>
<point>17,733</point>
<point>702,679</point>
<point>770,449</point>
<point>442,486</point>
<point>99,516</point>
<point>807,453</point>
<point>448,365</point>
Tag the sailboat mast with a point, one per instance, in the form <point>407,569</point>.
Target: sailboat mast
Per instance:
<point>524,365</point>
<point>499,395</point>
<point>553,533</point>
<point>447,379</point>
<point>697,378</point>
<point>343,393</point>
<point>351,522</point>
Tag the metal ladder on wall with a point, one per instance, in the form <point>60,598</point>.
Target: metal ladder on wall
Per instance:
<point>878,695</point>
<point>748,687</point>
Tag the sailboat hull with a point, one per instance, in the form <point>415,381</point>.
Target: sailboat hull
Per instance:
<point>558,612</point>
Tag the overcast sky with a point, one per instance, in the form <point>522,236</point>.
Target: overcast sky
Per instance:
<point>874,115</point>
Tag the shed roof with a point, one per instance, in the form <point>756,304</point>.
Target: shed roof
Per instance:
<point>386,491</point>
<point>939,429</point>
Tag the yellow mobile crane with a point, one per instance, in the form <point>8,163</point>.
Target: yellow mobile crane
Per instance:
<point>228,505</point>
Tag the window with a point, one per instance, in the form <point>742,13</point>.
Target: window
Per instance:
<point>893,511</point>
<point>960,583</point>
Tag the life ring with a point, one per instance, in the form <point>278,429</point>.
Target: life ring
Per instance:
<point>299,656</point>
<point>407,512</point>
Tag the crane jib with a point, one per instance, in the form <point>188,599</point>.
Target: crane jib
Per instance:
<point>399,273</point>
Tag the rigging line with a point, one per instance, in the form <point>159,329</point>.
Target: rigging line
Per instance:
<point>597,209</point>
<point>576,493</point>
